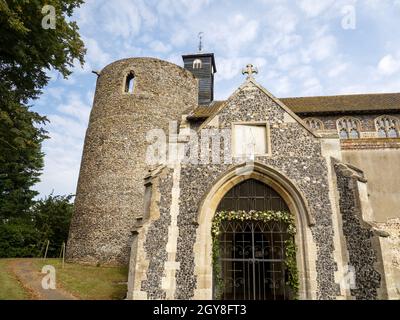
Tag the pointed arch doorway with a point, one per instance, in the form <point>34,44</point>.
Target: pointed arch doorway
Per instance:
<point>252,253</point>
<point>293,198</point>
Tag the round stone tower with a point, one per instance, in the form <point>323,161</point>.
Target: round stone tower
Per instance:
<point>132,96</point>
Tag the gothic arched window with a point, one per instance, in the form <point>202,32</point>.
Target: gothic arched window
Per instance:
<point>387,127</point>
<point>197,64</point>
<point>130,82</point>
<point>349,128</point>
<point>314,124</point>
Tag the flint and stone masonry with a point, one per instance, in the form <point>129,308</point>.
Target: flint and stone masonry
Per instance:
<point>110,189</point>
<point>157,218</point>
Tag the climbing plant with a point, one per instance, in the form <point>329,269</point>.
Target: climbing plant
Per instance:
<point>264,216</point>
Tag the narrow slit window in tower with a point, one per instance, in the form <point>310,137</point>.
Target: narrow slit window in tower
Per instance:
<point>130,82</point>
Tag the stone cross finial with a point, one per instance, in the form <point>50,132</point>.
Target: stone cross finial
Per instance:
<point>250,70</point>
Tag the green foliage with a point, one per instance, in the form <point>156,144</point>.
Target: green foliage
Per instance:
<point>27,53</point>
<point>217,270</point>
<point>52,217</point>
<point>47,219</point>
<point>264,216</point>
<point>21,159</point>
<point>27,50</point>
<point>19,239</point>
<point>290,261</point>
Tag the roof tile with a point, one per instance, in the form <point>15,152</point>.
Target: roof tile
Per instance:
<point>323,104</point>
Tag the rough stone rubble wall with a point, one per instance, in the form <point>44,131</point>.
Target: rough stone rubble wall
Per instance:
<point>359,236</point>
<point>110,189</point>
<point>157,238</point>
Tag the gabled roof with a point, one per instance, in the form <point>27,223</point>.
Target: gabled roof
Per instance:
<point>203,112</point>
<point>344,103</point>
<point>324,104</point>
<point>252,82</point>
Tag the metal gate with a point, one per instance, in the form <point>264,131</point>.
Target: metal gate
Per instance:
<point>252,253</point>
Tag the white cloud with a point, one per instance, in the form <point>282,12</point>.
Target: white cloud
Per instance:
<point>75,108</point>
<point>278,43</point>
<point>119,18</point>
<point>158,46</point>
<point>282,87</point>
<point>314,8</point>
<point>175,58</point>
<point>55,92</point>
<point>172,8</point>
<point>288,60</point>
<point>312,87</point>
<point>228,68</point>
<point>388,65</point>
<point>234,36</point>
<point>320,49</point>
<point>86,68</point>
<point>96,56</point>
<point>89,97</point>
<point>63,150</point>
<point>301,72</point>
<point>338,69</point>
<point>282,19</point>
<point>180,37</point>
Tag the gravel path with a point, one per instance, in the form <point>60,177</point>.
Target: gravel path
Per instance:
<point>31,279</point>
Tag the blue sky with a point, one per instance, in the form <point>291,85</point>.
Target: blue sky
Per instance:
<point>299,46</point>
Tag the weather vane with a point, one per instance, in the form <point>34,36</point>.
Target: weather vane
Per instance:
<point>200,35</point>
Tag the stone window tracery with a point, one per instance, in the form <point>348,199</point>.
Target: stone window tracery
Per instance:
<point>314,124</point>
<point>349,128</point>
<point>387,127</point>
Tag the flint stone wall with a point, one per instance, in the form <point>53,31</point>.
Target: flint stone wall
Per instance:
<point>295,152</point>
<point>110,189</point>
<point>359,237</point>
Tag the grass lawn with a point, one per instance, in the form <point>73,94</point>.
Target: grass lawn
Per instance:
<point>89,283</point>
<point>84,282</point>
<point>10,288</point>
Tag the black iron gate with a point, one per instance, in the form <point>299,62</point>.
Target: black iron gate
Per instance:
<point>253,260</point>
<point>253,252</point>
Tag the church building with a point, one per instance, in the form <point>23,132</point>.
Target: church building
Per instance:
<point>252,198</point>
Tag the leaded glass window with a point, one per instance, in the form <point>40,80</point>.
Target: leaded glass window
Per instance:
<point>387,127</point>
<point>349,128</point>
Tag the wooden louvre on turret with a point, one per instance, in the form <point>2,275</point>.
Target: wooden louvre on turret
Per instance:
<point>202,65</point>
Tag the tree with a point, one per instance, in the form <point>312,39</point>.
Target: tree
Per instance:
<point>52,217</point>
<point>27,52</point>
<point>49,220</point>
<point>19,239</point>
<point>21,158</point>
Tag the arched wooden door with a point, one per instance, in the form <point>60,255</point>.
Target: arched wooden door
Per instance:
<point>252,253</point>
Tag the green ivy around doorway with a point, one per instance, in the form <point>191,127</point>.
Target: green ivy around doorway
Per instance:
<point>263,216</point>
